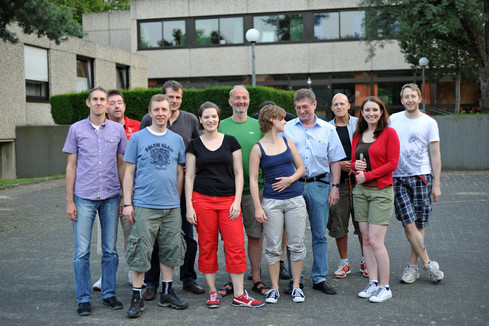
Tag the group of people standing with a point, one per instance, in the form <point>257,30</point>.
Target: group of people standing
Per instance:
<point>263,177</point>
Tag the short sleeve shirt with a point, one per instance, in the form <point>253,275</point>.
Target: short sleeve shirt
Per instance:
<point>215,170</point>
<point>415,136</point>
<point>97,175</point>
<point>317,145</point>
<point>156,158</point>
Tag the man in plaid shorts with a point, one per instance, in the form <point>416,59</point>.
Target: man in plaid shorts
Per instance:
<point>415,180</point>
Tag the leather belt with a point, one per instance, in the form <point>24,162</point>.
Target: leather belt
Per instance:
<point>316,178</point>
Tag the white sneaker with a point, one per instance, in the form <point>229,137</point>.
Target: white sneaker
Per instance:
<point>381,295</point>
<point>433,269</point>
<point>369,290</point>
<point>97,286</point>
<point>410,274</point>
<point>272,296</point>
<point>298,295</point>
<point>343,270</point>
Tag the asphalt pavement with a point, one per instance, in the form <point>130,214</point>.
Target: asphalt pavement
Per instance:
<point>37,285</point>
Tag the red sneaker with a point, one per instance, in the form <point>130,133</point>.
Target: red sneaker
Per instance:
<point>213,301</point>
<point>343,270</point>
<point>246,301</point>
<point>363,269</point>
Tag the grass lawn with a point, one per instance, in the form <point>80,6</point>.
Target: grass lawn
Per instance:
<point>10,182</point>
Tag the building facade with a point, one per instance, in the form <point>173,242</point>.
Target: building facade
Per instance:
<point>302,43</point>
<point>36,68</point>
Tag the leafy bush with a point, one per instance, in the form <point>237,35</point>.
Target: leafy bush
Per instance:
<point>69,108</point>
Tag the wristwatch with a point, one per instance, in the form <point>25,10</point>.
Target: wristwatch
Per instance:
<point>126,205</point>
<point>337,185</point>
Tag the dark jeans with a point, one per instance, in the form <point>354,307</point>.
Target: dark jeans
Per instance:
<point>187,271</point>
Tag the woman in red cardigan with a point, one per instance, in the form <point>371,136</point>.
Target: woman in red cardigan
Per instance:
<point>375,153</point>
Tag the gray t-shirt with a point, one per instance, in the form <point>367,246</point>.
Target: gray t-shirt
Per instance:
<point>186,125</point>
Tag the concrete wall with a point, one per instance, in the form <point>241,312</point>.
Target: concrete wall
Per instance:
<point>39,150</point>
<point>464,142</point>
<point>96,25</point>
<point>463,146</point>
<point>277,58</point>
<point>270,58</point>
<point>16,111</point>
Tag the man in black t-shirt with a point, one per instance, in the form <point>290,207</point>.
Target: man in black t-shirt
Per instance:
<point>339,214</point>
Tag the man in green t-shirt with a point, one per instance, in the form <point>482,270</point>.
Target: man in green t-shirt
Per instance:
<point>247,131</point>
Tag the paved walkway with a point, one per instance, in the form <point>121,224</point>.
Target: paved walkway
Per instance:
<point>37,286</point>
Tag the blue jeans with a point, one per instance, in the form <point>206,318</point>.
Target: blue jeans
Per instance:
<point>108,210</point>
<point>187,270</point>
<point>316,195</point>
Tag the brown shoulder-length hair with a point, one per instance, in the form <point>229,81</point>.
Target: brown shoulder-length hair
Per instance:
<point>381,124</point>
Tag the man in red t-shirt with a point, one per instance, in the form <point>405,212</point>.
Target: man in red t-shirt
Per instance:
<point>115,112</point>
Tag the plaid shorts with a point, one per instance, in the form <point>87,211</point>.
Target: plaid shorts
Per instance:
<point>412,199</point>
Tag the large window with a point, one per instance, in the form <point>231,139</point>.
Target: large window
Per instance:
<point>327,26</point>
<point>160,34</point>
<point>84,74</point>
<point>339,25</point>
<point>122,78</point>
<point>219,31</point>
<point>279,28</point>
<point>36,73</point>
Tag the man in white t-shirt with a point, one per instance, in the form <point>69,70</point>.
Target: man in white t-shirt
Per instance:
<point>415,179</point>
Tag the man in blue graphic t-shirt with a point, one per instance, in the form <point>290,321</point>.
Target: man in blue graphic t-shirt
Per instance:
<point>152,185</point>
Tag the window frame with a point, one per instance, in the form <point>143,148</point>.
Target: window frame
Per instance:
<point>90,71</point>
<point>42,85</point>
<point>185,21</point>
<point>119,68</point>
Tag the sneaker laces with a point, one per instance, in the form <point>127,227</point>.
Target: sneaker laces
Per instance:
<point>297,292</point>
<point>214,296</point>
<point>271,293</point>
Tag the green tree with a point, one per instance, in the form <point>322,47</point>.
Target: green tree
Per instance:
<point>79,7</point>
<point>453,34</point>
<point>37,16</point>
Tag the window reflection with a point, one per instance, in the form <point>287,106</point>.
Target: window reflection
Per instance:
<point>275,28</point>
<point>219,31</point>
<point>326,26</point>
<point>174,33</point>
<point>150,35</point>
<point>351,24</point>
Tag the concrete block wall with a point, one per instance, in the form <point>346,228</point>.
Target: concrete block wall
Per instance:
<point>464,142</point>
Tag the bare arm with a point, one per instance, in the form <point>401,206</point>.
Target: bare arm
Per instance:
<point>70,186</point>
<point>284,182</point>
<point>255,157</point>
<point>235,208</point>
<point>334,194</point>
<point>189,187</point>
<point>436,167</point>
<point>179,179</point>
<point>127,186</point>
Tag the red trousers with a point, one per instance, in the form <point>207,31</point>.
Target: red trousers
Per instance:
<point>212,216</point>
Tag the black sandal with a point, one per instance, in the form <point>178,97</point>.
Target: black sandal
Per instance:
<point>260,289</point>
<point>227,289</point>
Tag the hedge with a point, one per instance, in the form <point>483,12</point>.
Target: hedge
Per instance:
<point>69,108</point>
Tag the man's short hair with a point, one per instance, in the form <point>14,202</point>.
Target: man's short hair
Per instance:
<point>98,88</point>
<point>267,113</point>
<point>305,93</point>
<point>413,86</point>
<point>173,84</point>
<point>116,92</point>
<point>234,88</point>
<point>158,98</point>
